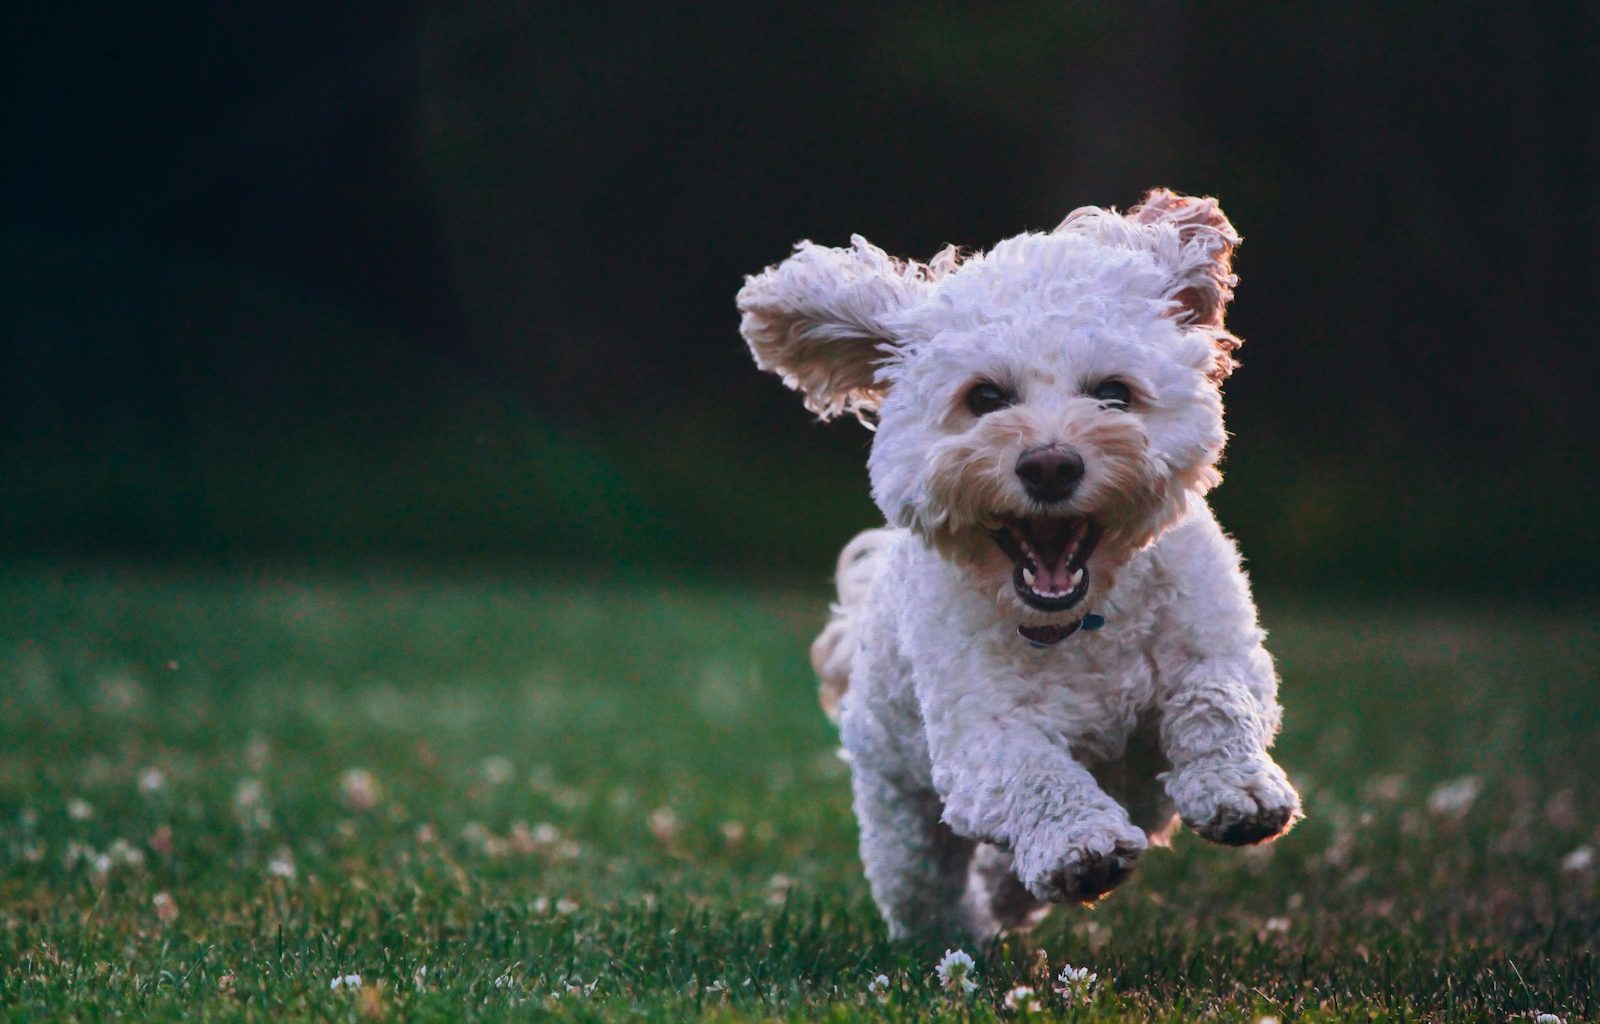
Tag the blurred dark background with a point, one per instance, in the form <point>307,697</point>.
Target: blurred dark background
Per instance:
<point>456,281</point>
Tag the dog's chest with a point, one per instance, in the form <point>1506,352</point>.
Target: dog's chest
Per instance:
<point>1091,690</point>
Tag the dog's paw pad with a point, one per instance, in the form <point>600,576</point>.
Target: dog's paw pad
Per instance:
<point>1246,831</point>
<point>1090,868</point>
<point>1238,805</point>
<point>1097,874</point>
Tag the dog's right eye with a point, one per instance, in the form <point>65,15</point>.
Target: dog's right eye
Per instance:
<point>986,398</point>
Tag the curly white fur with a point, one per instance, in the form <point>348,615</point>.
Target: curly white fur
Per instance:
<point>991,775</point>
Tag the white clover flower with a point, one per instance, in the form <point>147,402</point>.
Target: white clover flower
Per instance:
<point>351,981</point>
<point>878,987</point>
<point>166,907</point>
<point>1578,861</point>
<point>250,804</point>
<point>360,790</point>
<point>125,853</point>
<point>1074,983</point>
<point>1267,1019</point>
<point>152,781</point>
<point>663,823</point>
<point>477,835</point>
<point>778,887</point>
<point>955,971</point>
<point>282,866</point>
<point>1022,999</point>
<point>566,906</point>
<point>1454,799</point>
<point>79,809</point>
<point>498,770</point>
<point>1548,1018</point>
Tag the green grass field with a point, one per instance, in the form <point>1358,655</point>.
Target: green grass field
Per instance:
<point>514,798</point>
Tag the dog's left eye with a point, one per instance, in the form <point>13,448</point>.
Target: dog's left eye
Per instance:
<point>1114,392</point>
<point>986,398</point>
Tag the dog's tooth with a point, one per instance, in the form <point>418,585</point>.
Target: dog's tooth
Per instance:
<point>1027,576</point>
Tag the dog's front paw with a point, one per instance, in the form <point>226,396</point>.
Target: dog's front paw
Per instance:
<point>1082,862</point>
<point>1236,802</point>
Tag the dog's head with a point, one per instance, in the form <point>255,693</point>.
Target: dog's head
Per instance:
<point>1044,410</point>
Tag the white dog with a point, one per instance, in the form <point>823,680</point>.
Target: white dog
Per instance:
<point>1052,653</point>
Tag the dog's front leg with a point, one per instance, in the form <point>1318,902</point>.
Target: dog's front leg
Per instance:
<point>1217,725</point>
<point>1013,784</point>
<point>1219,697</point>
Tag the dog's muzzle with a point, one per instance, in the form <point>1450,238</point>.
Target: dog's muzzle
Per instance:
<point>1051,558</point>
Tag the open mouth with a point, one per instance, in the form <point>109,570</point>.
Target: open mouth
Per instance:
<point>1051,554</point>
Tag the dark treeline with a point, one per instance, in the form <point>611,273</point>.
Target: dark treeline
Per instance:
<point>288,279</point>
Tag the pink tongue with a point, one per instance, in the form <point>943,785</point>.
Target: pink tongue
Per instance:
<point>1053,579</point>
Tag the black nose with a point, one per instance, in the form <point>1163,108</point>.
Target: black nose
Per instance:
<point>1050,474</point>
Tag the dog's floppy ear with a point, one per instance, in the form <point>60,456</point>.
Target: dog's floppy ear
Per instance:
<point>820,320</point>
<point>1203,262</point>
<point>1192,239</point>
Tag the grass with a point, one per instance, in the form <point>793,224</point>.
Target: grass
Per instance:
<point>512,799</point>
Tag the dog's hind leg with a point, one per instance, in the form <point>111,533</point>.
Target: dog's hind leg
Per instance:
<point>916,866</point>
<point>833,653</point>
<point>997,901</point>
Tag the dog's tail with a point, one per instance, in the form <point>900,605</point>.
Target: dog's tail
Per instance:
<point>831,653</point>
